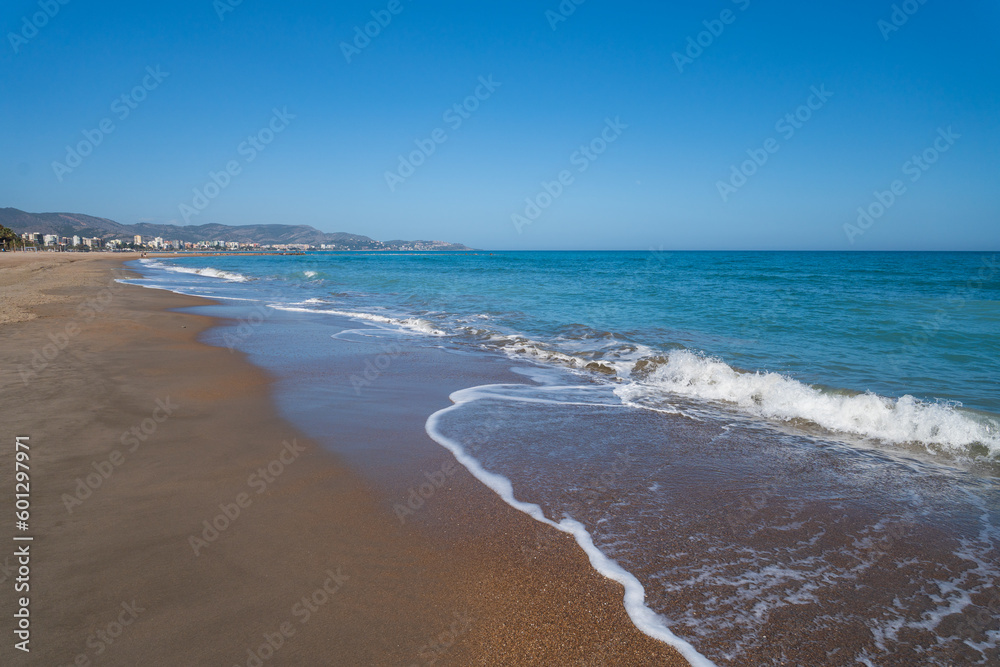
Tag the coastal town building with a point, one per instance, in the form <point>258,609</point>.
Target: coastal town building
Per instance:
<point>77,242</point>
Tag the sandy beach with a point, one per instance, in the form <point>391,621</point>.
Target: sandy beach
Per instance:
<point>179,519</point>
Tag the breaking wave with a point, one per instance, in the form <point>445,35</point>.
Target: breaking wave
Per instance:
<point>937,426</point>
<point>414,324</point>
<point>207,271</point>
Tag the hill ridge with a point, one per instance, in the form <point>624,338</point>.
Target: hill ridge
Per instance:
<point>79,224</point>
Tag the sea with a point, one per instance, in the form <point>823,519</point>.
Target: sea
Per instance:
<point>786,458</point>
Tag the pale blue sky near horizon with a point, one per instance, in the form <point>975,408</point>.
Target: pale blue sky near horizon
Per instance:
<point>673,131</point>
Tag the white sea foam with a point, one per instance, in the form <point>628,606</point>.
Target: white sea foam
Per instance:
<point>778,397</point>
<point>519,347</point>
<point>223,297</point>
<point>635,595</point>
<point>204,271</point>
<point>414,324</point>
<point>137,282</point>
<point>142,282</point>
<point>308,302</point>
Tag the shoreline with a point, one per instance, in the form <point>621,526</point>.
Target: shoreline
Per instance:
<point>397,592</point>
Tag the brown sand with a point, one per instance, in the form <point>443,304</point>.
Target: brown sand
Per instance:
<point>480,583</point>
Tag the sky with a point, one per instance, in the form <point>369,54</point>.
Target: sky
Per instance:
<point>731,124</point>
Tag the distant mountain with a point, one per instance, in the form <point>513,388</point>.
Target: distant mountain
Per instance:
<point>70,224</point>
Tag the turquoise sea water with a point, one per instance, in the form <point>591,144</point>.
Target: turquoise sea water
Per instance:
<point>925,325</point>
<point>771,445</point>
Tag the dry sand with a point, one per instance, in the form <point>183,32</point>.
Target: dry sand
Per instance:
<point>459,589</point>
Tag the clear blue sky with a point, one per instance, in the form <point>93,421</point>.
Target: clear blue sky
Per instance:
<point>656,185</point>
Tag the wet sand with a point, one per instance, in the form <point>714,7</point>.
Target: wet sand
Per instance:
<point>140,435</point>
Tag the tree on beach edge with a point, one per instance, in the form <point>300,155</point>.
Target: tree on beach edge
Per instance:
<point>8,239</point>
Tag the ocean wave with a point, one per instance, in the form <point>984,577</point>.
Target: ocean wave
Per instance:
<point>644,618</point>
<point>204,271</point>
<point>937,426</point>
<point>613,361</point>
<point>651,378</point>
<point>414,324</point>
<point>647,378</point>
